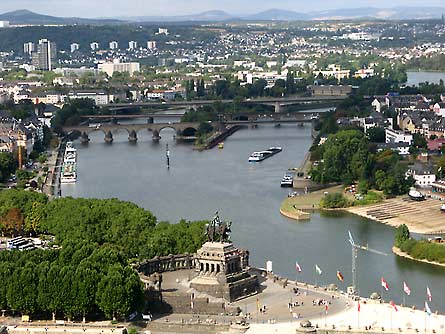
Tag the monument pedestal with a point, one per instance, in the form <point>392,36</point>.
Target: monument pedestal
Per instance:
<point>223,272</point>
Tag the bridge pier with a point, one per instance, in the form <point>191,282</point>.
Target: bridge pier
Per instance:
<point>84,139</point>
<point>150,120</point>
<point>156,137</point>
<point>108,137</point>
<point>277,107</point>
<point>132,136</point>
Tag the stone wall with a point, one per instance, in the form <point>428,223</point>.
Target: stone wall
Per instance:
<point>162,264</point>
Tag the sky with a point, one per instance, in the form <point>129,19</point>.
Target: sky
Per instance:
<point>120,8</point>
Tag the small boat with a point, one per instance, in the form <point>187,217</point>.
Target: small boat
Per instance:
<point>221,145</point>
<point>287,181</point>
<point>262,155</point>
<point>442,208</point>
<point>416,195</point>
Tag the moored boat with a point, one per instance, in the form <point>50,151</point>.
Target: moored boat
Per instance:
<point>287,181</point>
<point>416,195</point>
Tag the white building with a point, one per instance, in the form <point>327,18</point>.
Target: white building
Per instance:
<point>29,48</point>
<point>163,31</point>
<point>99,97</point>
<point>334,71</point>
<point>423,176</point>
<point>114,45</point>
<point>110,68</point>
<point>4,24</point>
<point>94,46</point>
<point>364,73</point>
<point>132,45</point>
<point>396,136</point>
<point>151,45</point>
<point>74,47</point>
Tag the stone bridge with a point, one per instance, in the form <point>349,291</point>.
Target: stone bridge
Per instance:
<point>183,130</point>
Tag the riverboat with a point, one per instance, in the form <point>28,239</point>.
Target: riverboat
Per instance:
<point>68,174</point>
<point>221,146</point>
<point>442,208</point>
<point>287,181</point>
<point>416,195</point>
<point>262,155</point>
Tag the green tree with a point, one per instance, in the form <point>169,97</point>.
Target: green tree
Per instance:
<point>402,235</point>
<point>33,220</point>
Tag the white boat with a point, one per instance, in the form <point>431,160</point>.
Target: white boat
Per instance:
<point>287,181</point>
<point>68,174</point>
<point>442,208</point>
<point>416,195</point>
<point>262,155</point>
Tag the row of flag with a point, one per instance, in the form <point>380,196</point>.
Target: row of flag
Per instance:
<point>406,289</point>
<point>383,282</point>
<point>394,306</point>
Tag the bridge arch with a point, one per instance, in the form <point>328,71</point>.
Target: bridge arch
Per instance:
<point>189,132</point>
<point>240,118</point>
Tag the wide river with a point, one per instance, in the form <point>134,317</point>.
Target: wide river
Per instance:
<point>200,183</point>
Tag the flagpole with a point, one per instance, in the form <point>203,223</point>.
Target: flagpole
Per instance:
<point>403,294</point>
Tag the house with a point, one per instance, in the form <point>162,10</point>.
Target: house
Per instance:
<point>439,108</point>
<point>396,136</point>
<point>378,104</point>
<point>100,97</point>
<point>435,145</point>
<point>400,148</point>
<point>422,174</point>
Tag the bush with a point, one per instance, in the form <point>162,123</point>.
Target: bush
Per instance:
<point>334,201</point>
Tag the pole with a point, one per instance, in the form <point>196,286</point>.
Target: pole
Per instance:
<point>168,156</point>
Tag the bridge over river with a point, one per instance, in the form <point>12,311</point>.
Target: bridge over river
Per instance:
<point>183,130</point>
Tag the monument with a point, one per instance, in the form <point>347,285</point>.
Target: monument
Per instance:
<point>223,269</point>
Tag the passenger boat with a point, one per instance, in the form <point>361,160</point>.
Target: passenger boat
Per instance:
<point>221,146</point>
<point>416,195</point>
<point>262,155</point>
<point>68,174</point>
<point>287,181</point>
<point>442,208</point>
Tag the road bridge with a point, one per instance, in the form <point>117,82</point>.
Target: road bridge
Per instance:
<point>183,130</point>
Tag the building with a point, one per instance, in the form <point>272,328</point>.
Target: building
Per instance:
<point>94,46</point>
<point>29,48</point>
<point>396,136</point>
<point>100,97</point>
<point>151,45</point>
<point>4,24</point>
<point>161,95</point>
<point>132,45</point>
<point>422,174</point>
<point>74,47</point>
<point>114,45</point>
<point>364,73</point>
<point>334,71</point>
<point>163,31</point>
<point>400,148</point>
<point>110,68</point>
<point>46,56</point>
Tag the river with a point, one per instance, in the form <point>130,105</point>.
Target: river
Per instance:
<point>199,183</point>
<point>414,78</point>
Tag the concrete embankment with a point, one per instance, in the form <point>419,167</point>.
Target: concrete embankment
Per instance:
<point>399,252</point>
<point>74,329</point>
<point>219,136</point>
<point>51,186</point>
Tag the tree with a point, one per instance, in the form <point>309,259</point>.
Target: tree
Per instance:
<point>12,222</point>
<point>376,134</point>
<point>402,235</point>
<point>33,220</point>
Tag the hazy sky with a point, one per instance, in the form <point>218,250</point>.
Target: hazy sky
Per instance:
<point>101,8</point>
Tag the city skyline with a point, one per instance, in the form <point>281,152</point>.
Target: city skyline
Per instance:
<point>114,8</point>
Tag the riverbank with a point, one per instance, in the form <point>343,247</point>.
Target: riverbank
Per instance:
<point>422,217</point>
<point>400,253</point>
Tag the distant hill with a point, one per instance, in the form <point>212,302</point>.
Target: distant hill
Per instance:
<point>26,17</point>
<point>277,15</point>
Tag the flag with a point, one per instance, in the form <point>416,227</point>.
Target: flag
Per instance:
<point>257,304</point>
<point>318,270</point>
<point>406,288</point>
<point>297,267</point>
<point>428,293</point>
<point>384,284</point>
<point>358,307</point>
<point>427,308</point>
<point>326,307</point>
<point>192,298</point>
<point>393,305</point>
<point>340,276</point>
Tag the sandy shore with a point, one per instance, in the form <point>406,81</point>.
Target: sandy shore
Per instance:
<point>422,217</point>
